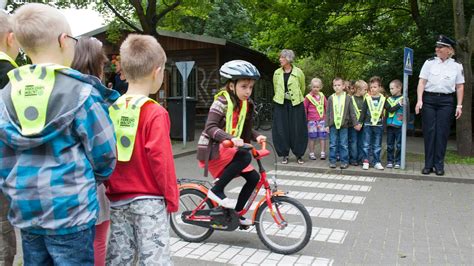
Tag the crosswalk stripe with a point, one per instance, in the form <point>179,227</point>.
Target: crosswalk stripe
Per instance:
<point>320,234</point>
<point>316,196</point>
<point>325,185</point>
<point>328,213</point>
<point>231,254</point>
<point>322,176</point>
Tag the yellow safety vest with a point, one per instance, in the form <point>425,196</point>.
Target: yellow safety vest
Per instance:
<point>5,57</point>
<point>32,86</point>
<point>375,111</point>
<point>237,131</point>
<point>125,115</point>
<point>319,105</point>
<point>356,108</point>
<point>392,103</point>
<point>338,108</point>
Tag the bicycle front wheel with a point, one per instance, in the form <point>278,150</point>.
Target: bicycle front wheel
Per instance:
<point>289,238</point>
<point>189,199</point>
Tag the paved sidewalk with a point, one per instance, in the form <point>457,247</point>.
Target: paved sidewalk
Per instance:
<point>458,173</point>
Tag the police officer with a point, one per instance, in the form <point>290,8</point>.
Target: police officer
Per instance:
<point>441,78</point>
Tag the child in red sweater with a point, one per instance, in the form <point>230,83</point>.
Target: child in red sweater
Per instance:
<point>230,118</point>
<point>143,188</point>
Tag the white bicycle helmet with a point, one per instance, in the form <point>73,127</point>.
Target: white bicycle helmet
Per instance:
<point>239,69</point>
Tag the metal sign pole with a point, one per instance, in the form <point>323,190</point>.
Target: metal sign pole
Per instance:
<point>185,68</point>
<point>404,126</point>
<point>185,94</point>
<point>407,70</point>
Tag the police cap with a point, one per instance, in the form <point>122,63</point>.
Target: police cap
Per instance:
<point>445,41</point>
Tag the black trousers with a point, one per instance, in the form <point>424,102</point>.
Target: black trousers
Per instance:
<point>437,115</point>
<point>290,130</point>
<point>241,160</point>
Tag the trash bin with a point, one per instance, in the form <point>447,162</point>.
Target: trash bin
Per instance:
<point>175,110</point>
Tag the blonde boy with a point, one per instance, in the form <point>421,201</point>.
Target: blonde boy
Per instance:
<point>143,188</point>
<point>394,125</point>
<point>339,116</point>
<point>356,137</point>
<point>56,143</point>
<point>8,48</point>
<point>371,116</point>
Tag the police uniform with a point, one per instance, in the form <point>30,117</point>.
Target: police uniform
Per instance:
<point>439,105</point>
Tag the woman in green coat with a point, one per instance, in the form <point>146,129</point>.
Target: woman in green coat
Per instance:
<point>289,119</point>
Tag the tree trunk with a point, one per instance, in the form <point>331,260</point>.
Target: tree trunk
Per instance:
<point>464,53</point>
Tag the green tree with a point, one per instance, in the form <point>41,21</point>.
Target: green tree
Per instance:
<point>465,39</point>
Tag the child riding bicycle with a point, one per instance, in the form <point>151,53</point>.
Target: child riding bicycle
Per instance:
<point>230,118</point>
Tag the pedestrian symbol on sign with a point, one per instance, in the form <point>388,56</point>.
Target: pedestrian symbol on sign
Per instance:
<point>408,61</point>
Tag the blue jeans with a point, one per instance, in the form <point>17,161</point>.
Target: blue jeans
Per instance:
<point>360,146</point>
<point>372,142</point>
<point>354,143</point>
<point>394,144</point>
<point>338,141</point>
<point>70,249</point>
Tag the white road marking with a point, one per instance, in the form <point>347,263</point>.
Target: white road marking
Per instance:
<point>223,253</point>
<point>316,196</point>
<point>322,176</point>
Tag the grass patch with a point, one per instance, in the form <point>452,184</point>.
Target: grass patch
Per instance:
<point>454,158</point>
<point>451,158</point>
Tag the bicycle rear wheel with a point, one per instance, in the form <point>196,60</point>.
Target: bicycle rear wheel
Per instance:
<point>256,121</point>
<point>292,237</point>
<point>189,199</point>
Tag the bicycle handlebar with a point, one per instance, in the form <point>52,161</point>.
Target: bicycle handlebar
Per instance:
<point>249,147</point>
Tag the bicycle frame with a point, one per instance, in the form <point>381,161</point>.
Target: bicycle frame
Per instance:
<point>263,182</point>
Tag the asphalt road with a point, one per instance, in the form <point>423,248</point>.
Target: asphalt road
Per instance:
<point>356,220</point>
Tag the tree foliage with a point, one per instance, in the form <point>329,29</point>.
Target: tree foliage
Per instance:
<point>351,39</point>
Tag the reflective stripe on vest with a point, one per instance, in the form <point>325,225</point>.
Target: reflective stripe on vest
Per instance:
<point>5,57</point>
<point>375,111</point>
<point>32,86</point>
<point>237,131</point>
<point>319,105</point>
<point>356,107</point>
<point>338,108</point>
<point>392,103</point>
<point>125,115</point>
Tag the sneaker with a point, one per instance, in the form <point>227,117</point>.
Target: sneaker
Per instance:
<point>224,202</point>
<point>344,166</point>
<point>397,166</point>
<point>332,165</point>
<point>312,156</point>
<point>323,156</point>
<point>245,221</point>
<point>365,165</point>
<point>285,160</point>
<point>300,160</point>
<point>389,165</point>
<point>378,166</point>
<point>354,164</point>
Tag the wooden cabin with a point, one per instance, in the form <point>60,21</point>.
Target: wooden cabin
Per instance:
<point>208,53</point>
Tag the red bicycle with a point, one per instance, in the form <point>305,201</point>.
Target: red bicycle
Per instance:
<point>282,223</point>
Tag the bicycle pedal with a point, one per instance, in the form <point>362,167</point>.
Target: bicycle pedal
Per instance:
<point>244,227</point>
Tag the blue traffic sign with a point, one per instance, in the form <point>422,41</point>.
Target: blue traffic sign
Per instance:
<point>408,61</point>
